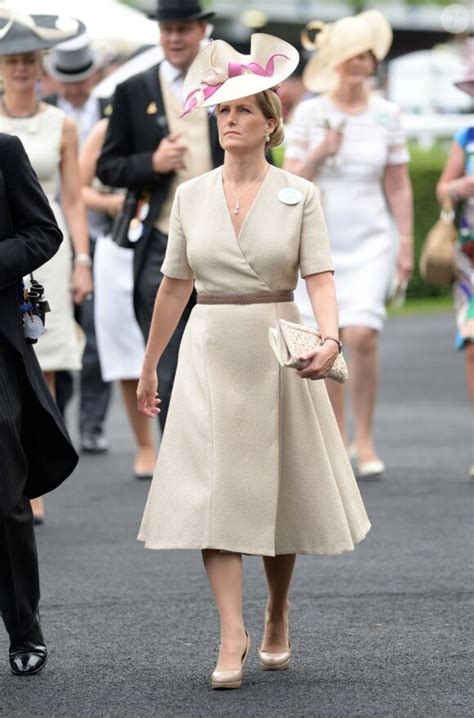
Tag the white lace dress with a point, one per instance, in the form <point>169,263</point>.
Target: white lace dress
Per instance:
<point>362,235</point>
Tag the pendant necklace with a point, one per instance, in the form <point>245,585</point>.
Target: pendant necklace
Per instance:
<point>19,117</point>
<point>237,198</point>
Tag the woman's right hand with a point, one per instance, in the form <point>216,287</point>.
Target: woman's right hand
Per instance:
<point>147,394</point>
<point>115,204</point>
<point>331,144</point>
<point>462,188</point>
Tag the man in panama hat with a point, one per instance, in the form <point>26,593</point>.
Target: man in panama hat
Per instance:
<point>151,149</point>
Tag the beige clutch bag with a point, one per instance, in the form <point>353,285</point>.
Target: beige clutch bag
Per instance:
<point>289,341</point>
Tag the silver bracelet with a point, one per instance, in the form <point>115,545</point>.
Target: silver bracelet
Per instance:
<point>83,260</point>
<point>333,339</point>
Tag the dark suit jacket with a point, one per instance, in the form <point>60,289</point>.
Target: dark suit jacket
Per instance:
<point>132,136</point>
<point>29,236</point>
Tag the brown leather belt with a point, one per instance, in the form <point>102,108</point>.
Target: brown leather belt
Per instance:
<point>250,298</point>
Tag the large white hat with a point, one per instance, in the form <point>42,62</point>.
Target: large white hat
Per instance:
<point>467,82</point>
<point>219,73</point>
<point>339,41</point>
<point>23,33</point>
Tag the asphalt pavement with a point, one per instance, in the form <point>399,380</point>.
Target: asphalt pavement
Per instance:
<point>383,631</point>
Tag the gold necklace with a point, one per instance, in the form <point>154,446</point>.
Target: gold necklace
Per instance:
<point>237,198</point>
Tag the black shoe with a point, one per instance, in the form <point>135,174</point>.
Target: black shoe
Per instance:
<point>28,655</point>
<point>95,443</point>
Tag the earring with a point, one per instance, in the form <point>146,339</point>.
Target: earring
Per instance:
<point>267,138</point>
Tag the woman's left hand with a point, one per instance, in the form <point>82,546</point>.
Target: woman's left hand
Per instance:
<point>81,284</point>
<point>405,260</point>
<point>319,360</point>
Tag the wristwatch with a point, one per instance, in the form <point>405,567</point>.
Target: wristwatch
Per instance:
<point>333,339</point>
<point>83,260</point>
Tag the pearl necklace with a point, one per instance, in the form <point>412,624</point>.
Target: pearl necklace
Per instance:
<point>237,198</point>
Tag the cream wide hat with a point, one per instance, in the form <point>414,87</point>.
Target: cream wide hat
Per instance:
<point>339,41</point>
<point>219,73</point>
<point>21,33</point>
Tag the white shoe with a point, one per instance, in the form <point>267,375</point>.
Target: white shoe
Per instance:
<point>370,469</point>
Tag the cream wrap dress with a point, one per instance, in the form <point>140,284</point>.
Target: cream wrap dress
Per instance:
<point>251,459</point>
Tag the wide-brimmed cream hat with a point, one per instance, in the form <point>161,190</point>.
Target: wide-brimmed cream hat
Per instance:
<point>220,73</point>
<point>23,33</point>
<point>339,41</point>
<point>466,83</point>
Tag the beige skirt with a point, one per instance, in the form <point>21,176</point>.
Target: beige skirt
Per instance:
<point>251,459</point>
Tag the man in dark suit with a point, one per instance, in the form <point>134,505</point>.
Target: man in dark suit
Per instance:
<point>74,66</point>
<point>36,454</point>
<point>151,150</point>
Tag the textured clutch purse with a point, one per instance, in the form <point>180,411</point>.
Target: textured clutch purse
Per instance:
<point>289,341</point>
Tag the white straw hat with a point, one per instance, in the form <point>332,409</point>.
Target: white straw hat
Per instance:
<point>339,41</point>
<point>219,73</point>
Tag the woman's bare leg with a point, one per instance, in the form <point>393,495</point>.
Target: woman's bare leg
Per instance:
<point>224,571</point>
<point>37,505</point>
<point>278,572</point>
<point>50,377</point>
<point>362,343</point>
<point>143,429</point>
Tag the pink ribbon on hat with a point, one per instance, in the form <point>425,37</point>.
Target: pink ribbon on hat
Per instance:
<point>234,69</point>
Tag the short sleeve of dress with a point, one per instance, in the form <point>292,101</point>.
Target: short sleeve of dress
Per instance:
<point>298,134</point>
<point>176,263</point>
<point>315,253</point>
<point>397,147</point>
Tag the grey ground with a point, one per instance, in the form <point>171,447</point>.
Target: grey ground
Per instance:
<point>383,631</point>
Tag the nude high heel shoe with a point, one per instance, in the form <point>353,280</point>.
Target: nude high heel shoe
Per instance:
<point>274,661</point>
<point>231,679</point>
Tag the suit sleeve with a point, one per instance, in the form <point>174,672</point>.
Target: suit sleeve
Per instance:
<point>36,236</point>
<point>315,253</point>
<point>117,166</point>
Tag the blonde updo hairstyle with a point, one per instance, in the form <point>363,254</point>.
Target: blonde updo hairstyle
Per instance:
<point>270,105</point>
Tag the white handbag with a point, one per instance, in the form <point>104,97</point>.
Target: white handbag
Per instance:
<point>290,341</point>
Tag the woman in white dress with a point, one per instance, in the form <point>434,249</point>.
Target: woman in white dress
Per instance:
<point>119,339</point>
<point>50,140</point>
<point>350,143</point>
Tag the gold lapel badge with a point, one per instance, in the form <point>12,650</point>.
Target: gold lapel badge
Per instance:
<point>152,109</point>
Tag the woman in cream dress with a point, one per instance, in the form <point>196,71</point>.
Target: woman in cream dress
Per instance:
<point>50,141</point>
<point>119,339</point>
<point>350,143</point>
<point>251,459</point>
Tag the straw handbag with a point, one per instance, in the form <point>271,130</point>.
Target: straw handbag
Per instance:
<point>437,254</point>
